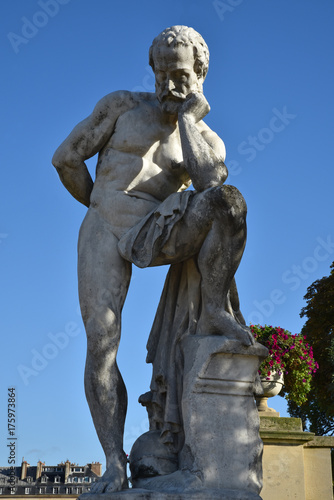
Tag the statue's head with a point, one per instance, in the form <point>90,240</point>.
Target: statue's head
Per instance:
<point>179,58</point>
<point>182,35</point>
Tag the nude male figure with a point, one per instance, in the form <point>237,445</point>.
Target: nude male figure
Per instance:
<point>150,146</point>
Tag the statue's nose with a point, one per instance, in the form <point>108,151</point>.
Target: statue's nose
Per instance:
<point>170,84</point>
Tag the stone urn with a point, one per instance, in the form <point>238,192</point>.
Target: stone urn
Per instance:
<point>271,388</point>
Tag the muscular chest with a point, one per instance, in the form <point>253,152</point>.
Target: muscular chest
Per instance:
<point>142,133</point>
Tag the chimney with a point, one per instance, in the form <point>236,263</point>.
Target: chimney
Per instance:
<point>24,468</point>
<point>67,469</point>
<point>96,467</point>
<point>39,469</point>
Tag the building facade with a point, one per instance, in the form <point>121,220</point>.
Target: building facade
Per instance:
<point>61,480</point>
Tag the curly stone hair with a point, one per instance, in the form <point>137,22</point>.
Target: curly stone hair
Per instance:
<point>182,35</point>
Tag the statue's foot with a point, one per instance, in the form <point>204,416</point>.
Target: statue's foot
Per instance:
<point>114,479</point>
<point>213,322</point>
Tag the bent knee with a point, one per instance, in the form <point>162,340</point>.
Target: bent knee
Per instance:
<point>231,204</point>
<point>103,332</point>
<point>234,200</point>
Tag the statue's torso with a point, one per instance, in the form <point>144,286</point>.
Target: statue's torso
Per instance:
<point>140,166</point>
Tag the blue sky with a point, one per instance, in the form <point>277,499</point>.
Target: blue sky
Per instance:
<point>270,86</point>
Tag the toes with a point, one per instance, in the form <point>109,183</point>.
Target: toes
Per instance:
<point>246,341</point>
<point>245,337</point>
<point>252,339</point>
<point>98,487</point>
<point>116,486</point>
<point>113,487</point>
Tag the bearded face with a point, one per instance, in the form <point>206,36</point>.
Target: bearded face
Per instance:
<point>175,77</point>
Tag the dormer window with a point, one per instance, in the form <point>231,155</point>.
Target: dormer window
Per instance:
<point>57,479</point>
<point>44,479</point>
<point>29,479</point>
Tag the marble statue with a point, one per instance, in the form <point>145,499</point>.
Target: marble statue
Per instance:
<point>151,147</point>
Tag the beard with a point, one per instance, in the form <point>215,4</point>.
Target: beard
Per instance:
<point>171,102</point>
<point>170,106</point>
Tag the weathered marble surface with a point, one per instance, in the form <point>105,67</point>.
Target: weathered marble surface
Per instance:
<point>151,148</point>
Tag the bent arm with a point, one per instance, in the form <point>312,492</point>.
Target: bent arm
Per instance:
<point>203,152</point>
<point>85,140</point>
<point>72,169</point>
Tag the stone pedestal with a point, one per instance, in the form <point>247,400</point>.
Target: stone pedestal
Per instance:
<point>220,418</point>
<point>143,494</point>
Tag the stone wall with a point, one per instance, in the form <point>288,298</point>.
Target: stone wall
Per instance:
<point>296,464</point>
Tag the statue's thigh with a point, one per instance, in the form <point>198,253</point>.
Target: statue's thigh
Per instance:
<point>189,233</point>
<point>103,274</point>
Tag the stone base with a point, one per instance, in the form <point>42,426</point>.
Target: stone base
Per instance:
<point>296,464</point>
<point>141,494</point>
<point>220,418</point>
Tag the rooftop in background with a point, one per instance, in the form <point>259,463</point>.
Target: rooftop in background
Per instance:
<point>64,479</point>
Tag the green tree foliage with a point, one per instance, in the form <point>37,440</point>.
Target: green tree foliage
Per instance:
<point>318,412</point>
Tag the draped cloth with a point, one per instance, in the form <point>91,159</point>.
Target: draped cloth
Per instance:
<point>177,314</point>
<point>152,235</point>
